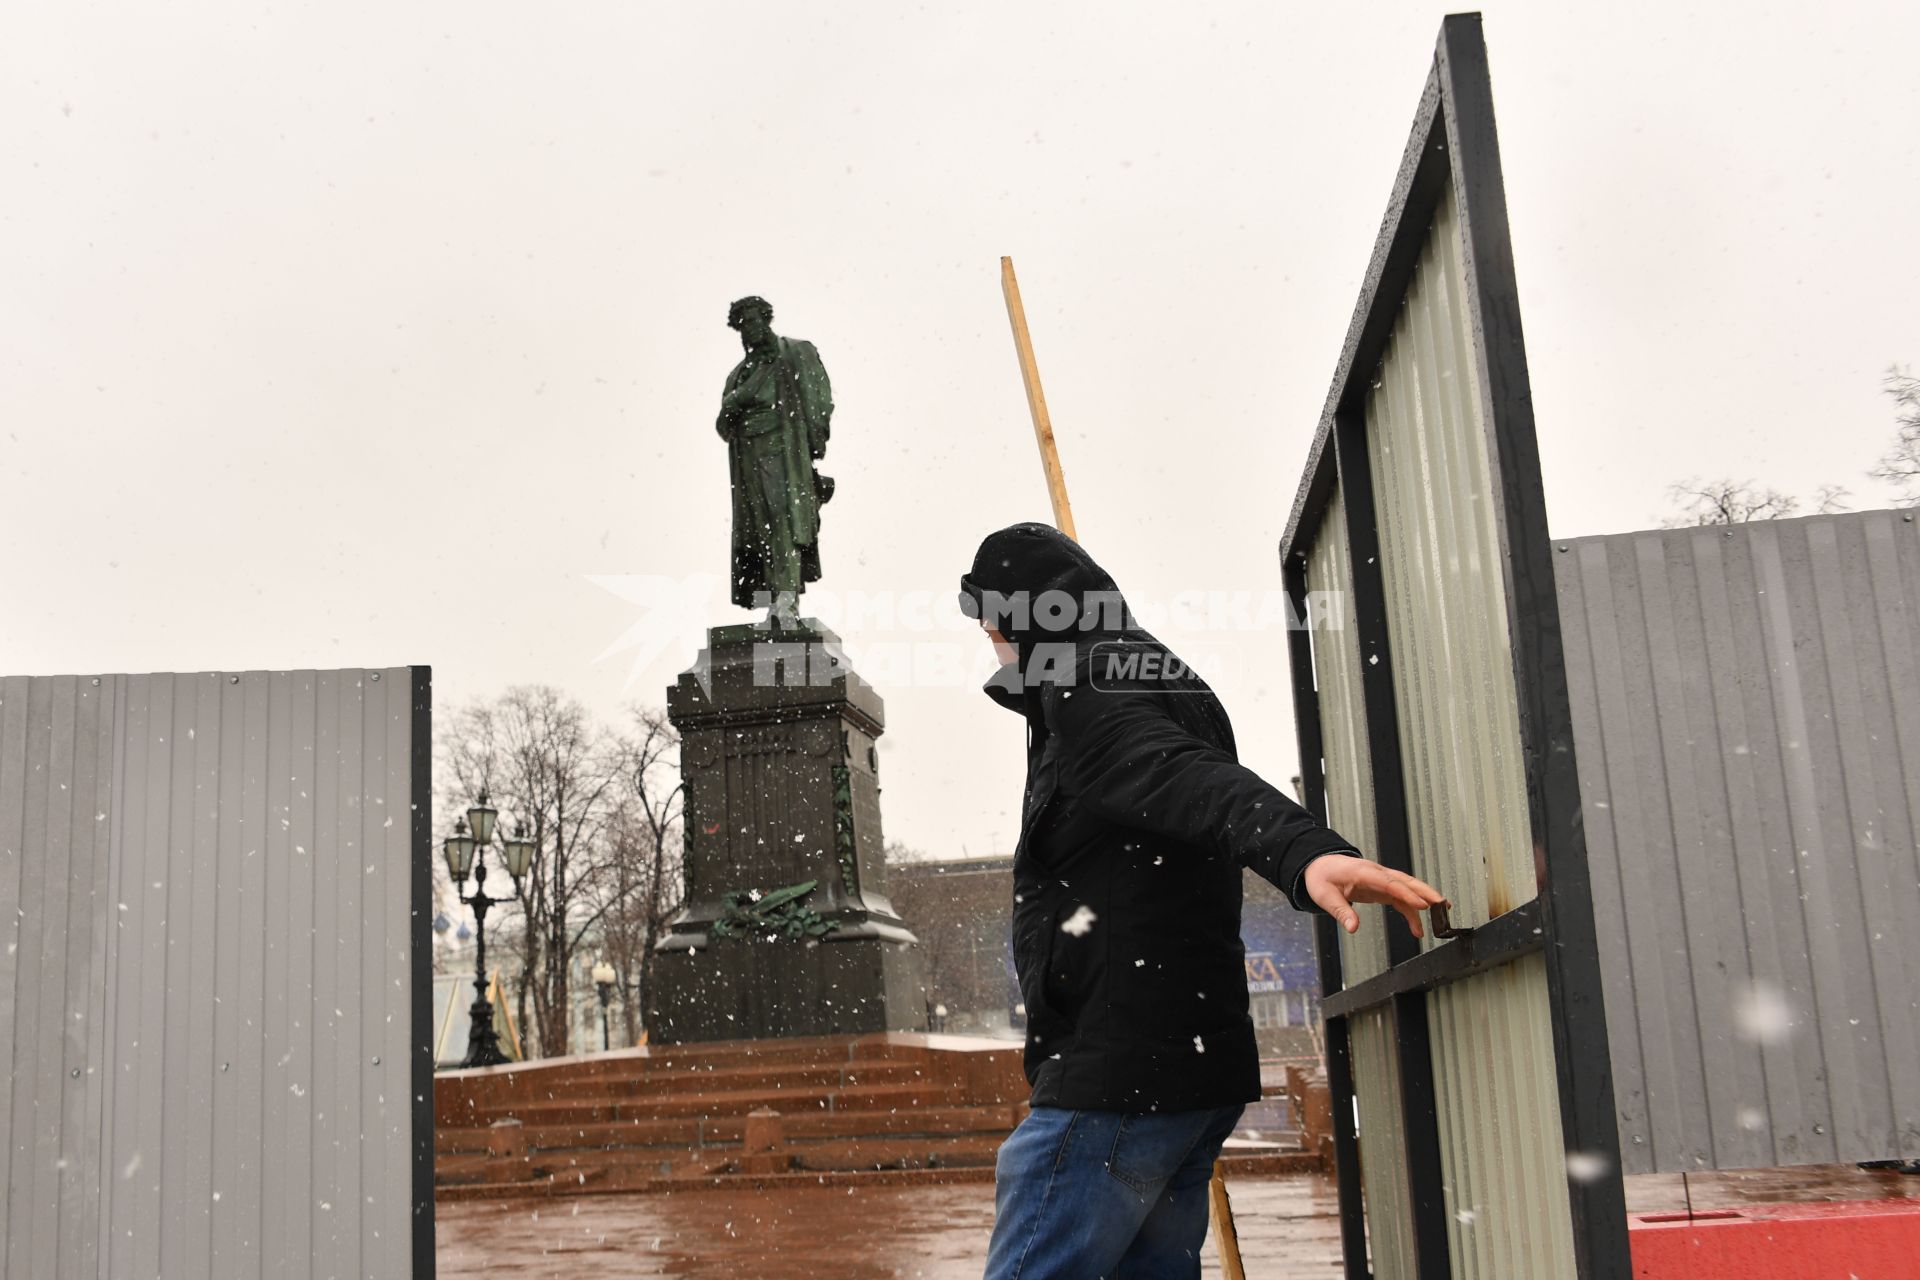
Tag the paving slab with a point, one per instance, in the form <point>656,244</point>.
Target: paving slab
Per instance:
<point>1289,1226</point>
<point>849,1233</point>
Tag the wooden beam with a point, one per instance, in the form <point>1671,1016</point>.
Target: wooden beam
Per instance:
<point>1037,402</point>
<point>1225,1238</point>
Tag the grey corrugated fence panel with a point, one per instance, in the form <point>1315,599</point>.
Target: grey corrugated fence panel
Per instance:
<point>1467,817</point>
<point>210,1059</point>
<point>1747,720</point>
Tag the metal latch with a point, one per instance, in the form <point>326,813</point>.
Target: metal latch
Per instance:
<point>1443,926</point>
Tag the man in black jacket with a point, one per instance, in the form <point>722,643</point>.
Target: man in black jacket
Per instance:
<point>1137,822</point>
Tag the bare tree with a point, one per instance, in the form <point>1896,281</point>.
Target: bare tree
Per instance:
<point>1900,466</point>
<point>898,851</point>
<point>1727,502</point>
<point>1831,498</point>
<point>646,883</point>
<point>547,765</point>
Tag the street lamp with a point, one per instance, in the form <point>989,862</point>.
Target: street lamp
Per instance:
<point>466,852</point>
<point>604,978</point>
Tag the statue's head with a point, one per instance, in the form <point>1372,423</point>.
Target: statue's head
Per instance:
<point>753,317</point>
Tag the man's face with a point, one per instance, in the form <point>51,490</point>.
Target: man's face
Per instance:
<point>1002,647</point>
<point>756,328</point>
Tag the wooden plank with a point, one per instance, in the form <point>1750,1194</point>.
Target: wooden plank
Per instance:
<point>1225,1238</point>
<point>1037,402</point>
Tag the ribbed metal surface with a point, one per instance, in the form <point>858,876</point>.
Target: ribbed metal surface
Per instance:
<point>1441,562</point>
<point>1747,724</point>
<point>1501,1154</point>
<point>1348,773</point>
<point>1466,797</point>
<point>1383,1166</point>
<point>206,885</point>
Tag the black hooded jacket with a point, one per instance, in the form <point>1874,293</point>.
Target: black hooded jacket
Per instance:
<point>1137,823</point>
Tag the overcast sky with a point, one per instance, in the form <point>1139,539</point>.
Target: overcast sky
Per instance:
<point>361,334</point>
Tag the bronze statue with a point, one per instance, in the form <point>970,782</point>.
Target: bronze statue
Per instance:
<point>775,416</point>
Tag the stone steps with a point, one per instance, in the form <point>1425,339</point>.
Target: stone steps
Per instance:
<point>581,1166</point>
<point>727,1130</point>
<point>546,1112</point>
<point>897,1101</point>
<point>736,1079</point>
<point>895,1106</point>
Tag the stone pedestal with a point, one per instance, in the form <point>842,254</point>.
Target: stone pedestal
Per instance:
<point>787,929</point>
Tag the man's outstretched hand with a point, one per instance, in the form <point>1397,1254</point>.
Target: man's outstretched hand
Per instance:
<point>1335,881</point>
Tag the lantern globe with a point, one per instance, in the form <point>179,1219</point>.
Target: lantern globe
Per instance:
<point>482,817</point>
<point>519,852</point>
<point>604,975</point>
<point>459,851</point>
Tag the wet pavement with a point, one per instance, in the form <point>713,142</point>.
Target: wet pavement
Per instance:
<point>1289,1227</point>
<point>799,1233</point>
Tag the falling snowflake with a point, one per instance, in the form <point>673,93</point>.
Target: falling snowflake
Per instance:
<point>1587,1166</point>
<point>1080,923</point>
<point>1761,1014</point>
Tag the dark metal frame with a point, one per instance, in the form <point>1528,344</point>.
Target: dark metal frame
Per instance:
<point>421,955</point>
<point>1453,141</point>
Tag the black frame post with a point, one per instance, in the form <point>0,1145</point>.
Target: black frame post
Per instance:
<point>1306,719</point>
<point>421,954</point>
<point>1419,1119</point>
<point>1588,1120</point>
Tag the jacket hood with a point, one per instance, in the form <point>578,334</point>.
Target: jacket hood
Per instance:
<point>1044,593</point>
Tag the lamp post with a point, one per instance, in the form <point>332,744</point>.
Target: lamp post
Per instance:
<point>466,851</point>
<point>604,978</point>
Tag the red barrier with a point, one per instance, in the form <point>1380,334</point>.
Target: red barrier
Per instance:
<point>1812,1240</point>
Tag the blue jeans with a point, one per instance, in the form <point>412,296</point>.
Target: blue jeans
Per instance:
<point>1086,1194</point>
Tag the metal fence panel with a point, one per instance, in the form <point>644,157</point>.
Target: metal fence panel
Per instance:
<point>213,1058</point>
<point>1466,795</point>
<point>1443,573</point>
<point>1382,1140</point>
<point>1500,1140</point>
<point>1348,772</point>
<point>1747,720</point>
<point>1423,487</point>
